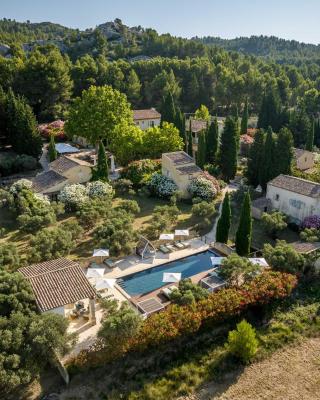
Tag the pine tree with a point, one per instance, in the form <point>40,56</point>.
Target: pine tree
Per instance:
<point>268,162</point>
<point>101,172</point>
<point>228,149</point>
<point>133,88</point>
<point>202,150</point>
<point>168,109</point>
<point>310,138</point>
<point>52,152</point>
<point>244,119</point>
<point>255,159</point>
<point>283,153</point>
<point>244,232</point>
<point>270,111</point>
<point>224,221</point>
<point>212,139</point>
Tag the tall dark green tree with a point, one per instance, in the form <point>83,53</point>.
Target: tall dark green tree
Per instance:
<point>224,221</point>
<point>270,111</point>
<point>300,126</point>
<point>228,149</point>
<point>310,138</point>
<point>255,159</point>
<point>190,147</point>
<point>268,163</point>
<point>212,139</point>
<point>202,150</point>
<point>52,152</point>
<point>245,118</point>
<point>283,153</point>
<point>102,171</point>
<point>168,109</point>
<point>22,130</point>
<point>244,232</point>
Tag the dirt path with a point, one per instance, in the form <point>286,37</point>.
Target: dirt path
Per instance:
<point>290,374</point>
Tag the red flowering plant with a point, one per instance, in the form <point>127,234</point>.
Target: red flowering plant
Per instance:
<point>55,128</point>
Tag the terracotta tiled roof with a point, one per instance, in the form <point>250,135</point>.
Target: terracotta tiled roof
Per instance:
<point>189,170</point>
<point>296,185</point>
<point>246,139</point>
<point>62,164</point>
<point>300,152</point>
<point>197,125</point>
<point>150,113</point>
<point>46,180</point>
<point>179,157</point>
<point>305,247</point>
<point>57,283</point>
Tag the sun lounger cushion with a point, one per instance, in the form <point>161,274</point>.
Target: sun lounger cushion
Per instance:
<point>109,263</point>
<point>179,245</point>
<point>166,291</point>
<point>164,249</point>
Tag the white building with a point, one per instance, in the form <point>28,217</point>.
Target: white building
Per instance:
<point>295,197</point>
<point>146,118</point>
<point>304,159</point>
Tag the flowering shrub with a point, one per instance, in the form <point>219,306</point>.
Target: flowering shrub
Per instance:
<point>138,172</point>
<point>55,128</point>
<point>176,321</point>
<point>162,186</point>
<point>311,222</point>
<point>99,189</point>
<point>73,196</point>
<point>16,187</point>
<point>203,188</point>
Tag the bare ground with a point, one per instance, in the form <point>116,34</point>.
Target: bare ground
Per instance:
<point>292,373</point>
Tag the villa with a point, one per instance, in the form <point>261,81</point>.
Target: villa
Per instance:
<point>303,159</point>
<point>146,118</point>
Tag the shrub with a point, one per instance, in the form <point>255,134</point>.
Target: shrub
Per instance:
<point>91,212</point>
<point>122,185</point>
<point>130,206</point>
<point>73,196</point>
<point>203,188</point>
<point>162,186</point>
<point>139,172</point>
<point>274,222</point>
<point>204,209</point>
<point>10,164</point>
<point>242,342</point>
<point>283,257</point>
<point>17,186</point>
<point>310,235</point>
<point>9,257</point>
<point>163,218</point>
<point>312,221</point>
<point>236,270</point>
<point>188,293</point>
<point>99,189</point>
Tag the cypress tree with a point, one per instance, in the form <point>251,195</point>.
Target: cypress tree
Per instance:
<point>283,153</point>
<point>244,119</point>
<point>267,170</point>
<point>201,153</point>
<point>102,170</point>
<point>168,109</point>
<point>255,159</point>
<point>270,111</point>
<point>310,138</point>
<point>224,221</point>
<point>228,151</point>
<point>244,232</point>
<point>190,147</point>
<point>52,149</point>
<point>212,139</point>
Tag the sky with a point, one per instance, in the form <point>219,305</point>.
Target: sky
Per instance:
<point>288,19</point>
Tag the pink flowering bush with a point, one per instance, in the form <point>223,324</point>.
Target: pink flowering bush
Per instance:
<point>311,222</point>
<point>55,128</point>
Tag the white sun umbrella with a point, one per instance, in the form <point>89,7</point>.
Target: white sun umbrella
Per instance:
<point>95,272</point>
<point>181,232</point>
<point>171,277</point>
<point>260,261</point>
<point>105,284</point>
<point>100,253</point>
<point>216,261</point>
<point>166,236</point>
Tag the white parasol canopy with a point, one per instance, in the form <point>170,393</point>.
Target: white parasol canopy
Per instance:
<point>181,232</point>
<point>95,272</point>
<point>105,284</point>
<point>166,236</point>
<point>216,260</point>
<point>260,261</point>
<point>171,277</point>
<point>100,253</point>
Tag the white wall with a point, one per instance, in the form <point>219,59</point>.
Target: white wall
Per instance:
<point>294,205</point>
<point>147,123</point>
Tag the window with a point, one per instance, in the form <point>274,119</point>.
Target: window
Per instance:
<point>296,203</point>
<point>277,197</point>
<point>306,159</point>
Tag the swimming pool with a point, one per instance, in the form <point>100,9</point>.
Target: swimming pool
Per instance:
<point>151,278</point>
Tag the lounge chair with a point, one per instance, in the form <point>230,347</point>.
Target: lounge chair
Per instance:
<point>167,292</point>
<point>109,263</point>
<point>186,244</point>
<point>93,264</point>
<point>179,245</point>
<point>170,247</point>
<point>164,249</point>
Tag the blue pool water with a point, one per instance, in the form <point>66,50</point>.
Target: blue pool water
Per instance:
<point>151,279</point>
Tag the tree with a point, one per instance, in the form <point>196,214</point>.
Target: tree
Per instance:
<point>97,114</point>
<point>212,139</point>
<point>270,110</point>
<point>188,293</point>
<point>9,256</point>
<point>268,161</point>
<point>228,149</point>
<point>255,159</point>
<point>283,257</point>
<point>202,150</point>
<point>101,171</point>
<point>300,126</point>
<point>133,88</point>
<point>237,270</point>
<point>168,109</point>
<point>202,113</point>
<point>310,138</point>
<point>242,342</point>
<point>22,129</point>
<point>283,153</point>
<point>274,222</point>
<point>224,221</point>
<point>190,143</point>
<point>245,118</point>
<point>52,149</point>
<point>244,232</point>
